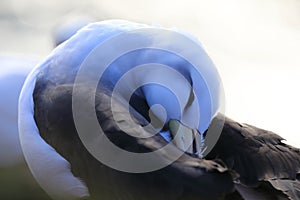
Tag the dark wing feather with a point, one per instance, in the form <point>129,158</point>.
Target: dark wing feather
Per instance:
<point>189,178</point>
<point>289,187</point>
<point>257,155</point>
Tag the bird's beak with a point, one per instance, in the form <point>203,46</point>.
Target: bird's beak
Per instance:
<point>185,138</point>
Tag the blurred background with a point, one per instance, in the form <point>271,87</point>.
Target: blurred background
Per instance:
<point>255,44</point>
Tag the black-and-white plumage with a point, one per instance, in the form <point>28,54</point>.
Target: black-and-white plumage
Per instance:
<point>66,169</point>
<point>188,177</point>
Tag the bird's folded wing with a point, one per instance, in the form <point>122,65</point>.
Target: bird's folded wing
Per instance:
<point>187,176</point>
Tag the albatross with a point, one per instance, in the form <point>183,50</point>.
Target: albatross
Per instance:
<point>159,131</point>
